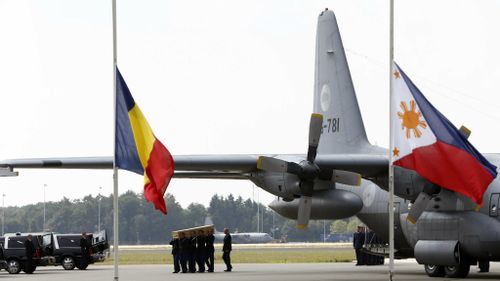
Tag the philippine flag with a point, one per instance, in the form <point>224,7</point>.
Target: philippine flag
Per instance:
<point>426,142</point>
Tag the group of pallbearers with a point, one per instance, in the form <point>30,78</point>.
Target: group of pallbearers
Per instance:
<point>360,237</point>
<point>194,247</point>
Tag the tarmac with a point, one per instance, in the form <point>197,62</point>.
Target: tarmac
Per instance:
<point>404,270</point>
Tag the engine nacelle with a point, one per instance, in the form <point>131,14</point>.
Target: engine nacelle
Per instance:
<point>326,205</point>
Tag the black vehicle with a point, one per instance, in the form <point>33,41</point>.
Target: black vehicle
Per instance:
<point>68,253</point>
<point>52,249</point>
<point>15,254</point>
<point>3,264</point>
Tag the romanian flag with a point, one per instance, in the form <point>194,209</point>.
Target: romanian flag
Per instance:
<point>138,150</point>
<point>427,142</point>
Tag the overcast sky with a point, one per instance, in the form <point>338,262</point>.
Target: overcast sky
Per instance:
<point>221,77</point>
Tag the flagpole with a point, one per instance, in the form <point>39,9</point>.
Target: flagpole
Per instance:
<point>391,144</point>
<point>115,170</point>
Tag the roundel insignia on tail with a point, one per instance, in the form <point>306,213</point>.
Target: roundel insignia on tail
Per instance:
<point>325,97</point>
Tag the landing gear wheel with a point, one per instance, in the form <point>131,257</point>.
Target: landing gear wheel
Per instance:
<point>459,271</point>
<point>434,270</point>
<point>68,263</point>
<point>13,267</point>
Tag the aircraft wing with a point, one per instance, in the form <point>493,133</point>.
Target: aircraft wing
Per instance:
<point>226,166</point>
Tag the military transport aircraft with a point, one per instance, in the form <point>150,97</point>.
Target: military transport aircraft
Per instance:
<point>245,237</point>
<point>343,175</point>
<point>240,237</point>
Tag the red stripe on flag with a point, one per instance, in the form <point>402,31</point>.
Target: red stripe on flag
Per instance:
<point>160,170</point>
<point>449,167</point>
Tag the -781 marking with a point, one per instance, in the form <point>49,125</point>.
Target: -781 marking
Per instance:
<point>332,125</point>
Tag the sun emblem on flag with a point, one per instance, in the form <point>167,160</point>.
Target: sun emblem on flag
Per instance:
<point>411,119</point>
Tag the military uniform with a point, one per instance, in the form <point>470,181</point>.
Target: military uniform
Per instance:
<point>184,253</point>
<point>226,249</point>
<point>200,252</point>
<point>85,247</point>
<point>192,255</point>
<point>209,257</point>
<point>30,251</point>
<point>176,254</point>
<point>357,242</point>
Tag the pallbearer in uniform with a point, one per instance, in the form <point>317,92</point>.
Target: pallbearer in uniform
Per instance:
<point>200,250</point>
<point>226,249</point>
<point>192,252</point>
<point>184,249</point>
<point>175,253</point>
<point>209,245</point>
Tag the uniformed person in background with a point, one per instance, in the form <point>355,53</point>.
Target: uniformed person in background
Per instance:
<point>200,250</point>
<point>357,242</point>
<point>85,247</point>
<point>192,252</point>
<point>30,251</point>
<point>209,245</point>
<point>226,250</point>
<point>175,254</point>
<point>183,251</point>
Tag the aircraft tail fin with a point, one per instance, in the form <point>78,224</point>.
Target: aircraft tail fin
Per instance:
<point>334,96</point>
<point>209,221</point>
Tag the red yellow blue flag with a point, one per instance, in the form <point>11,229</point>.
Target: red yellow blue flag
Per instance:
<point>138,150</point>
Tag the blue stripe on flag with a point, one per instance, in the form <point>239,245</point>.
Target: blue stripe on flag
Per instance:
<point>126,155</point>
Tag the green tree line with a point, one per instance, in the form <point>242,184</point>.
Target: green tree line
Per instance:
<point>140,223</point>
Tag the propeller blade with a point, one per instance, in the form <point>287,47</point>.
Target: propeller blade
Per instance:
<point>271,164</point>
<point>304,212</point>
<point>345,177</point>
<point>315,127</point>
<point>418,207</point>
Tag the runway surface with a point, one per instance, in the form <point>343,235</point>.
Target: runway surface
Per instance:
<point>405,270</point>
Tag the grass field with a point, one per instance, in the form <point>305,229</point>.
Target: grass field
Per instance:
<point>313,254</point>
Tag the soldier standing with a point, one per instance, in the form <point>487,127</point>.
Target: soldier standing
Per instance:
<point>209,245</point>
<point>85,247</point>
<point>30,251</point>
<point>226,249</point>
<point>358,241</point>
<point>175,253</point>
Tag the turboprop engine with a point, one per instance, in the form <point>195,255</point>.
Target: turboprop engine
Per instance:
<point>325,204</point>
